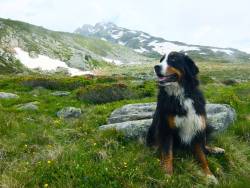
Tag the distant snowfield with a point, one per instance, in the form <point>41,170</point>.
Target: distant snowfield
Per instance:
<point>103,39</point>
<point>117,36</point>
<point>229,52</point>
<point>116,62</point>
<point>141,50</point>
<point>45,63</point>
<point>167,47</point>
<point>121,43</point>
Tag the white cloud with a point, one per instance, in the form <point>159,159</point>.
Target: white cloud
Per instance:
<point>220,23</point>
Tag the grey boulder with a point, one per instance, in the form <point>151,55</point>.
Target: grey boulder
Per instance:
<point>4,95</point>
<point>28,106</point>
<point>134,119</point>
<point>69,112</point>
<point>61,93</point>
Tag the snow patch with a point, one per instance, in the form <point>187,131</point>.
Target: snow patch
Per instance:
<point>45,63</point>
<point>141,50</point>
<point>167,47</point>
<point>117,36</point>
<point>202,53</point>
<point>116,62</point>
<point>229,52</point>
<point>122,43</point>
<point>145,36</point>
<point>103,39</point>
<point>132,31</point>
<point>141,39</point>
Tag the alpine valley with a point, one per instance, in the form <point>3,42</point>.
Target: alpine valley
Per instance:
<point>25,47</point>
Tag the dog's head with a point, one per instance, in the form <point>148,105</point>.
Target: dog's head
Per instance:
<point>176,67</point>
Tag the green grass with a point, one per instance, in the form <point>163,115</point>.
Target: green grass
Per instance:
<point>38,149</point>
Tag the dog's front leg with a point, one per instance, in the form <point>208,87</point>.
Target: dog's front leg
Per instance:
<point>201,157</point>
<point>198,151</point>
<point>167,154</point>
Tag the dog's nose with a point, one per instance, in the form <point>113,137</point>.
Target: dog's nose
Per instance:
<point>158,70</point>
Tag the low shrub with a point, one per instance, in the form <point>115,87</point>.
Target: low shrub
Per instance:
<point>68,83</point>
<point>146,89</point>
<point>103,93</point>
<point>229,82</point>
<point>204,79</point>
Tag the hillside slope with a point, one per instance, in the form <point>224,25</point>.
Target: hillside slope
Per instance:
<point>74,50</point>
<point>152,46</point>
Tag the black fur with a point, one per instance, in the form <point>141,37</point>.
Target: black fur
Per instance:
<point>160,132</point>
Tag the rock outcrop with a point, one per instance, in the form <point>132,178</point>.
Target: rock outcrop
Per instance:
<point>134,119</point>
<point>32,106</point>
<point>4,95</point>
<point>61,93</point>
<point>69,112</point>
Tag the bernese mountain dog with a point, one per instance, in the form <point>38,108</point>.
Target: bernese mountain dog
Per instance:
<point>180,116</point>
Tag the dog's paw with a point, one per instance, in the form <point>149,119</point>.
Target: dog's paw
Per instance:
<point>168,170</point>
<point>211,179</point>
<point>218,150</point>
<point>214,150</point>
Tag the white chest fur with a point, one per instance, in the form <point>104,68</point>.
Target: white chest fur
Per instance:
<point>189,124</point>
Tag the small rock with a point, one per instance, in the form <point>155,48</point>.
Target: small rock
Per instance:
<point>132,112</point>
<point>135,119</point>
<point>131,129</point>
<point>37,91</point>
<point>3,154</point>
<point>69,112</point>
<point>4,95</point>
<point>61,93</point>
<point>28,106</point>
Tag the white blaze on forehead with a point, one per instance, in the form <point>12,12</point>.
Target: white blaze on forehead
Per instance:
<point>164,66</point>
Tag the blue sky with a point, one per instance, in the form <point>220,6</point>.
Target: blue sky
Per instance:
<point>223,23</point>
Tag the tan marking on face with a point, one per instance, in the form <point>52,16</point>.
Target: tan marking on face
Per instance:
<point>171,121</point>
<point>172,70</point>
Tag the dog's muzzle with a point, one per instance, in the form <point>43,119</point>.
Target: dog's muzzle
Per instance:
<point>162,79</point>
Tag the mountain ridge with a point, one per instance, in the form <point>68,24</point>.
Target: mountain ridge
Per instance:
<point>84,53</point>
<point>152,46</point>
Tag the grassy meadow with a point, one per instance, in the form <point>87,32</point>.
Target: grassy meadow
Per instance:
<point>38,149</point>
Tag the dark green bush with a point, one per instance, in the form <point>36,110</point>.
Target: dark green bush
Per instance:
<point>68,83</point>
<point>147,89</point>
<point>103,93</point>
<point>229,82</point>
<point>204,79</point>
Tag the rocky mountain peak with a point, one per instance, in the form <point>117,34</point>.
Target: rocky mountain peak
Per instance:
<point>151,46</point>
<point>105,25</point>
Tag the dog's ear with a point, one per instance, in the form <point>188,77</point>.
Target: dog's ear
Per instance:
<point>192,68</point>
<point>163,57</point>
